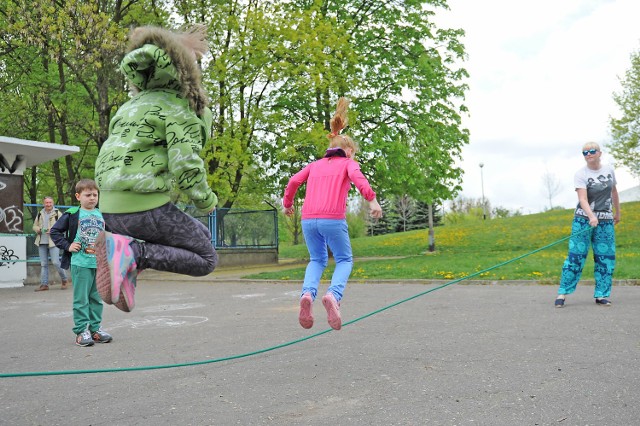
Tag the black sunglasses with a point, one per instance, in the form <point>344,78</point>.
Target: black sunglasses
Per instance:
<point>590,151</point>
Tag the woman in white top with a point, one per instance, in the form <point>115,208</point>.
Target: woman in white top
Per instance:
<point>597,212</point>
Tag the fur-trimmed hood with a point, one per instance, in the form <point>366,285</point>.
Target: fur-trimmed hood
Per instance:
<point>158,58</point>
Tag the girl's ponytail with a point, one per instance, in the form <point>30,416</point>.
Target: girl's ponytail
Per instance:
<point>340,119</point>
<point>337,124</point>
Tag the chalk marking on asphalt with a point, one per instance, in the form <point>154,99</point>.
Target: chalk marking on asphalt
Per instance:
<point>171,307</point>
<point>248,296</point>
<point>181,297</point>
<point>159,322</point>
<point>62,314</point>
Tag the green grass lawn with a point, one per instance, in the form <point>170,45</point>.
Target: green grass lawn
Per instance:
<point>469,248</point>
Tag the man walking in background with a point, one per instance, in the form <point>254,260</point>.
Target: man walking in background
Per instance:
<point>42,224</point>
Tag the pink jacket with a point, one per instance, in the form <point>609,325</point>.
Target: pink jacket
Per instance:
<point>328,183</point>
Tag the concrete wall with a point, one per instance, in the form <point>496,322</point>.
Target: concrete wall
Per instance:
<point>236,257</point>
<point>239,257</point>
<point>12,270</point>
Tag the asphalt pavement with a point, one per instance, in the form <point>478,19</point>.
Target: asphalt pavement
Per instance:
<point>223,351</point>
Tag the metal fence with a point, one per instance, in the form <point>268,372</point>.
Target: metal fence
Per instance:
<point>240,228</point>
<point>230,228</point>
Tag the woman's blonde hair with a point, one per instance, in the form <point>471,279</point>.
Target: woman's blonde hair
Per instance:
<point>337,124</point>
<point>590,145</point>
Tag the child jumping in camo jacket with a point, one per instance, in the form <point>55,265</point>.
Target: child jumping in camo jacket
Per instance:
<point>154,144</point>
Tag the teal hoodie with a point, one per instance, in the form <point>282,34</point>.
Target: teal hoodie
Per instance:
<point>156,137</point>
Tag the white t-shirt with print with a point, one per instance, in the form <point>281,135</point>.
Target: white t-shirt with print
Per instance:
<point>599,184</point>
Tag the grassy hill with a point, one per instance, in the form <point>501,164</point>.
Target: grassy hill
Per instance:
<point>468,248</point>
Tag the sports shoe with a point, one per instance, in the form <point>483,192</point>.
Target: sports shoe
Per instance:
<point>84,339</point>
<point>101,336</point>
<point>126,300</point>
<point>603,302</point>
<point>306,315</point>
<point>333,311</point>
<point>115,259</point>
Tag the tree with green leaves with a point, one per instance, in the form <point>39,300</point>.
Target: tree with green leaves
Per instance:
<point>65,56</point>
<point>625,130</point>
<point>274,74</point>
<point>411,107</point>
<point>402,75</point>
<point>463,209</point>
<point>423,215</point>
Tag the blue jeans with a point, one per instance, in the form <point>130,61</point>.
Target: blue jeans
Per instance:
<point>45,251</point>
<point>318,234</point>
<point>602,239</point>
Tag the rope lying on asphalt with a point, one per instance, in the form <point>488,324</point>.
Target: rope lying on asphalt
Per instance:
<point>283,345</point>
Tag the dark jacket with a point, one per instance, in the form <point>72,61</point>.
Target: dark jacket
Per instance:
<point>64,232</point>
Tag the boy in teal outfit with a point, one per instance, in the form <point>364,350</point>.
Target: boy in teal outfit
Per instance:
<point>75,233</point>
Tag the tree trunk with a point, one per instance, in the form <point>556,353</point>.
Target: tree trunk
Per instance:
<point>33,191</point>
<point>432,240</point>
<point>59,183</point>
<point>296,228</point>
<point>64,134</point>
<point>51,129</point>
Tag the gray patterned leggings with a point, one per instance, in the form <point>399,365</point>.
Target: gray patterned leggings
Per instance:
<point>173,241</point>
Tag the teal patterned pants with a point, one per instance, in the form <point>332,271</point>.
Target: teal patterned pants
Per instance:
<point>603,241</point>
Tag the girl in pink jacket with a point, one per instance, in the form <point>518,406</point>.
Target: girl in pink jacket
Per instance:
<point>324,217</point>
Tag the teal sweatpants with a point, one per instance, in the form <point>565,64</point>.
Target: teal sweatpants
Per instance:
<point>603,241</point>
<point>87,304</point>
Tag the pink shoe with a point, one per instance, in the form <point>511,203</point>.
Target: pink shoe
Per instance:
<point>126,300</point>
<point>333,311</point>
<point>306,315</point>
<point>114,260</point>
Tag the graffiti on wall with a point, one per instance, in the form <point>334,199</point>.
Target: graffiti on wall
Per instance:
<point>12,248</point>
<point>6,167</point>
<point>11,214</point>
<point>7,257</point>
<point>11,220</point>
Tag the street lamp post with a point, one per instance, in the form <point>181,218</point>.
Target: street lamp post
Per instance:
<point>484,209</point>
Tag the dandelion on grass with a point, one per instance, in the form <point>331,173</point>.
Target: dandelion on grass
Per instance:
<point>446,275</point>
<point>626,255</point>
<point>358,273</point>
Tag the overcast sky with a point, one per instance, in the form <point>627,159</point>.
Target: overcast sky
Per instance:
<point>542,75</point>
